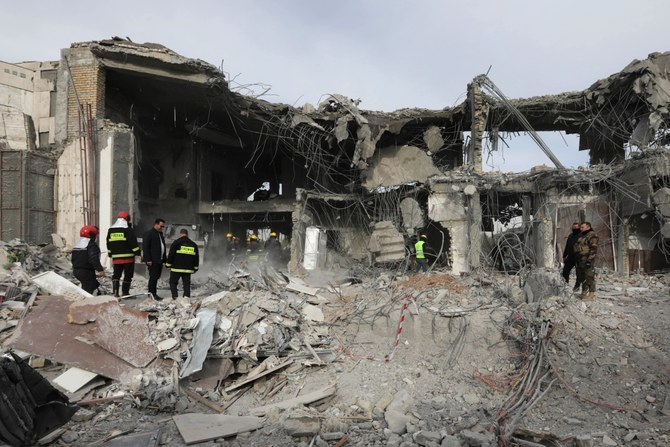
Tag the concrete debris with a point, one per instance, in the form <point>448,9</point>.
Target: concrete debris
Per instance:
<point>297,401</point>
<point>73,379</point>
<point>54,284</point>
<point>202,340</point>
<point>196,428</point>
<point>491,347</point>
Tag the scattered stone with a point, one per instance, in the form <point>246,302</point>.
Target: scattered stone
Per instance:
<point>609,441</point>
<point>630,436</point>
<point>69,436</point>
<point>573,421</point>
<point>83,415</point>
<point>332,436</point>
<point>424,437</point>
<point>302,425</point>
<point>475,439</point>
<point>450,441</point>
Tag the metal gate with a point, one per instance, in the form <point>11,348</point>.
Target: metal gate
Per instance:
<point>26,196</point>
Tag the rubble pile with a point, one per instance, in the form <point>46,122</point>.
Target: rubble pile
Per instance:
<point>385,359</point>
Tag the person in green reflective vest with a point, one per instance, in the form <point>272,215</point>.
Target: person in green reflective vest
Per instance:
<point>419,251</point>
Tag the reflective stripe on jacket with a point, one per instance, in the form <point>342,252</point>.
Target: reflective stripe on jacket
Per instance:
<point>122,245</point>
<point>184,256</point>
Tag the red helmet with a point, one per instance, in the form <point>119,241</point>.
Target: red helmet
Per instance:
<point>124,215</point>
<point>88,231</point>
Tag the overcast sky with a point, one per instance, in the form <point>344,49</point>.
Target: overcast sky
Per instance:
<point>390,54</point>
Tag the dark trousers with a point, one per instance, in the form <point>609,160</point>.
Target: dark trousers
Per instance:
<point>421,264</point>
<point>87,279</point>
<point>185,281</point>
<point>154,275</point>
<point>128,270</point>
<point>567,268</point>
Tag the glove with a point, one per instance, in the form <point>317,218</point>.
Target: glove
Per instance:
<point>587,264</point>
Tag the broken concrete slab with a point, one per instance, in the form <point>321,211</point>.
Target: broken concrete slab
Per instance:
<point>387,243</point>
<point>55,284</point>
<point>86,310</point>
<point>312,313</point>
<point>258,376</point>
<point>299,286</point>
<point>45,331</point>
<point>196,427</point>
<point>213,371</point>
<point>148,439</point>
<point>202,340</point>
<point>304,399</point>
<point>399,165</point>
<point>121,330</point>
<point>73,379</point>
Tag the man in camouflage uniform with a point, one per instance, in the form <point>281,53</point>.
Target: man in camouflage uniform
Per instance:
<point>586,249</point>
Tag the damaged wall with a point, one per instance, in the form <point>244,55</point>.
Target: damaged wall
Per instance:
<point>171,140</point>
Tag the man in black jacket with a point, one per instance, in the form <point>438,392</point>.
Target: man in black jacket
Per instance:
<point>86,259</point>
<point>182,262</point>
<point>569,258</point>
<point>153,254</point>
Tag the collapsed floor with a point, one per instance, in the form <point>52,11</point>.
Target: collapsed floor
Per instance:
<point>370,357</point>
<point>481,358</point>
<point>117,125</point>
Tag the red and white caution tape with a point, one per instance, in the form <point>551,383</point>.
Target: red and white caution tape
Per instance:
<point>387,358</point>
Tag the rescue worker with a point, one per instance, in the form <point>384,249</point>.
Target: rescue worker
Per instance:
<point>273,248</point>
<point>231,246</point>
<point>586,249</point>
<point>569,258</point>
<point>182,262</point>
<point>419,251</point>
<point>153,254</point>
<point>122,247</point>
<point>253,249</point>
<point>86,259</point>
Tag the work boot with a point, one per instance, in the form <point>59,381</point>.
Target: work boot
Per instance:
<point>125,288</point>
<point>115,287</point>
<point>590,296</point>
<point>576,288</point>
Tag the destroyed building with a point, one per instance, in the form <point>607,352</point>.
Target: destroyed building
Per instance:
<point>115,125</point>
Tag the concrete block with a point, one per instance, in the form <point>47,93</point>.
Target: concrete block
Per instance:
<point>446,207</point>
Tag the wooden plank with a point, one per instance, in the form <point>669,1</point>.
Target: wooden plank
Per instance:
<point>296,401</point>
<point>254,378</point>
<point>195,427</point>
<point>206,402</point>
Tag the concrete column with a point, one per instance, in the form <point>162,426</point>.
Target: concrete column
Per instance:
<point>116,178</point>
<point>297,233</point>
<point>480,112</point>
<point>474,230</point>
<point>622,234</point>
<point>458,251</point>
<point>544,229</point>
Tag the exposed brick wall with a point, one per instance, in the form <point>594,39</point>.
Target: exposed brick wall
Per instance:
<point>88,86</point>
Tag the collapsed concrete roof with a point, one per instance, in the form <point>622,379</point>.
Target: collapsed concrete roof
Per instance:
<point>187,146</point>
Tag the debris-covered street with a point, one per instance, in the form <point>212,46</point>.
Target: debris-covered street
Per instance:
<point>183,263</point>
<point>477,358</point>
